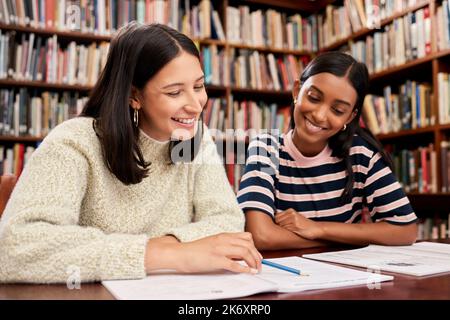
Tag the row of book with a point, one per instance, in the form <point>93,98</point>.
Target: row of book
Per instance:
<point>251,69</point>
<point>405,39</point>
<point>104,17</point>
<point>13,159</point>
<point>445,165</point>
<point>443,79</point>
<point>334,25</point>
<point>387,8</point>
<point>215,63</point>
<point>43,59</point>
<point>433,228</point>
<point>28,57</point>
<point>271,28</point>
<point>24,112</point>
<point>410,108</point>
<point>338,22</point>
<point>259,28</point>
<point>245,115</point>
<point>416,169</point>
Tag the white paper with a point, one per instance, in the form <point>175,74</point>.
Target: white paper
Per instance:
<point>166,286</point>
<point>318,275</point>
<point>171,286</point>
<point>419,259</point>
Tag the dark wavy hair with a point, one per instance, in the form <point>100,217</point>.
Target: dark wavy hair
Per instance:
<point>344,65</point>
<point>135,55</point>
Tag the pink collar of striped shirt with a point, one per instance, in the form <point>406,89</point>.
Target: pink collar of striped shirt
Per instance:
<point>300,158</point>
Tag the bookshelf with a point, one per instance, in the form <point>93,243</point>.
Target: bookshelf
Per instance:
<point>426,68</point>
<point>50,24</point>
<point>364,31</point>
<point>233,96</point>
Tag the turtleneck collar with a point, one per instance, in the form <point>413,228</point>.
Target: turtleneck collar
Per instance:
<point>152,149</point>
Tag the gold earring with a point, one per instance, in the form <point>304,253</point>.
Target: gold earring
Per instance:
<point>345,127</point>
<point>136,117</point>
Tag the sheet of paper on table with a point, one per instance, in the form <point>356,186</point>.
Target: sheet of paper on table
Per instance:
<point>167,285</point>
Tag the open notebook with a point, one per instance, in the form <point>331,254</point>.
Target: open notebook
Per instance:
<point>171,286</point>
<point>419,259</point>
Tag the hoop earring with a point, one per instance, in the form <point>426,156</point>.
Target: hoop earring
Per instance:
<point>136,117</point>
<point>345,127</point>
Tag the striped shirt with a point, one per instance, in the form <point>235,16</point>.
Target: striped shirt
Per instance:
<point>278,177</point>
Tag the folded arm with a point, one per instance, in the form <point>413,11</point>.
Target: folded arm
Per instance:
<point>267,235</point>
<point>383,233</point>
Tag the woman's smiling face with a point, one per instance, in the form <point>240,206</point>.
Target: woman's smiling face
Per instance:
<point>324,105</point>
<point>171,101</point>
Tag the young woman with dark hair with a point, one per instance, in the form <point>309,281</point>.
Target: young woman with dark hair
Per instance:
<point>308,187</point>
<point>132,185</point>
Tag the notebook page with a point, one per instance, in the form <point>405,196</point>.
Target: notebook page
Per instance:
<point>319,275</point>
<point>419,259</point>
<point>171,286</point>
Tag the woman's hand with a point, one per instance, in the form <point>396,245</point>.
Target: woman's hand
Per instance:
<point>218,252</point>
<point>297,223</point>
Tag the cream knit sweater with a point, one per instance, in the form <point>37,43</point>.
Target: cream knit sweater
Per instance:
<point>69,212</point>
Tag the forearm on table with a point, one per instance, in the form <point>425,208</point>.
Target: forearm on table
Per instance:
<point>382,233</point>
<point>278,238</point>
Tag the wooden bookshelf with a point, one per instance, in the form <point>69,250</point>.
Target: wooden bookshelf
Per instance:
<point>43,85</point>
<point>20,138</point>
<point>408,65</point>
<point>67,35</point>
<point>381,75</point>
<point>413,132</point>
<point>275,93</point>
<point>424,69</point>
<point>366,31</point>
<point>437,133</point>
<point>225,92</point>
<point>68,87</point>
<point>424,202</point>
<point>407,133</point>
<point>215,42</point>
<point>271,50</point>
<point>310,6</point>
<point>79,36</point>
<point>216,90</point>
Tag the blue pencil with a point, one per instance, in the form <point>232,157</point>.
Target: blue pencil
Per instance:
<point>280,266</point>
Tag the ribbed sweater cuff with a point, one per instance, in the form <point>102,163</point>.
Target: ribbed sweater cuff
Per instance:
<point>123,257</point>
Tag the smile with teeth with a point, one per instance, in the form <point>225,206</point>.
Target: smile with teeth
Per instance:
<point>183,120</point>
<point>312,127</point>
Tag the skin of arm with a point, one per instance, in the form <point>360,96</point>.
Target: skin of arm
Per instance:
<point>382,233</point>
<point>217,252</point>
<point>267,235</point>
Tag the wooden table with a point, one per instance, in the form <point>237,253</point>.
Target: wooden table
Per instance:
<point>401,288</point>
